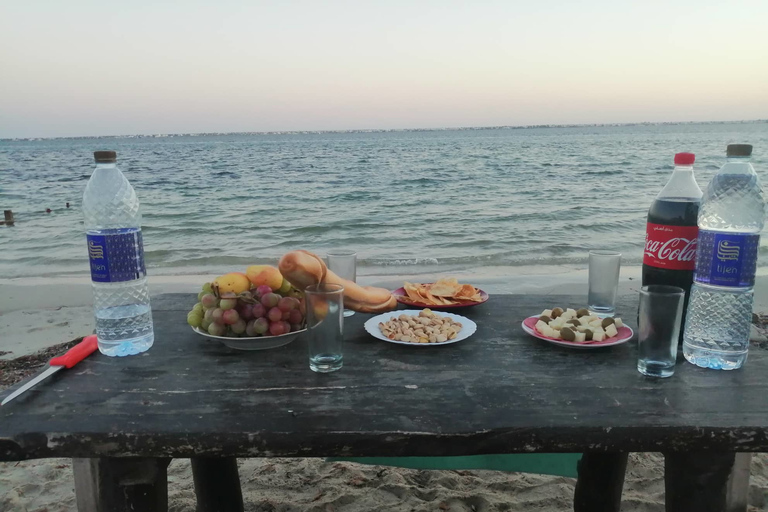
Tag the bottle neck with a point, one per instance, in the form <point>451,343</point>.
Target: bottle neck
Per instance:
<point>106,165</point>
<point>681,185</point>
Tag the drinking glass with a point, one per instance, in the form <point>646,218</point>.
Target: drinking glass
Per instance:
<point>661,308</point>
<point>344,265</point>
<point>325,326</point>
<point>603,282</point>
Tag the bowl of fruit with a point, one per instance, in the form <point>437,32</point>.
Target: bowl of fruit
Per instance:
<point>243,315</point>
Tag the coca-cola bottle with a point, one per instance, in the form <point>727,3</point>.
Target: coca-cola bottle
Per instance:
<point>670,236</point>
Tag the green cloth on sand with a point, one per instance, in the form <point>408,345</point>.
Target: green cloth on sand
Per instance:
<point>561,464</point>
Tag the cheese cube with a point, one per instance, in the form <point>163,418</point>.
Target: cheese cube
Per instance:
<point>584,320</point>
<point>611,331</point>
<point>580,337</point>
<point>540,326</point>
<point>618,322</point>
<point>546,312</point>
<point>596,324</point>
<point>598,336</point>
<point>570,312</point>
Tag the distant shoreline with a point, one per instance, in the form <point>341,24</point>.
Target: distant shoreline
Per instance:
<point>382,130</point>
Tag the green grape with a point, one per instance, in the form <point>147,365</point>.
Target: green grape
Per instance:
<point>226,304</point>
<point>194,318</point>
<point>198,307</point>
<point>206,323</point>
<point>217,329</point>
<point>200,295</point>
<point>284,288</point>
<point>207,288</point>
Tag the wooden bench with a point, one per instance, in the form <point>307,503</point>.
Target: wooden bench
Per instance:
<point>500,391</point>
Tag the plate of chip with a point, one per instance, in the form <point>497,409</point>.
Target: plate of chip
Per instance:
<point>462,327</point>
<point>624,334</point>
<point>444,293</point>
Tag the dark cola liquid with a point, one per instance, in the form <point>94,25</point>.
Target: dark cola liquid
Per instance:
<point>672,213</point>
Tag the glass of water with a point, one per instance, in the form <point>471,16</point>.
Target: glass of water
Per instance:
<point>661,308</point>
<point>325,326</point>
<point>604,269</point>
<point>344,265</point>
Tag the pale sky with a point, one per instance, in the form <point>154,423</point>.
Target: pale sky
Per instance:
<point>75,67</point>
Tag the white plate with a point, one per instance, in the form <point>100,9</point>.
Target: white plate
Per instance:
<point>255,343</point>
<point>468,327</point>
<point>625,334</point>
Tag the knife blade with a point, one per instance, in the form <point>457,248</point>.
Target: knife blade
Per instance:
<point>68,360</point>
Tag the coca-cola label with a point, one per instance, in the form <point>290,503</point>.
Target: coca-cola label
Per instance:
<point>670,247</point>
<point>727,259</point>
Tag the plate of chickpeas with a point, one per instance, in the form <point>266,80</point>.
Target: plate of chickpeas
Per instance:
<point>420,327</point>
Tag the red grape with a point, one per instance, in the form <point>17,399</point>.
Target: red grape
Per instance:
<point>209,300</point>
<point>261,325</point>
<point>230,316</point>
<point>278,328</point>
<point>263,290</point>
<point>286,315</point>
<point>249,330</point>
<point>245,311</point>
<point>275,314</point>
<point>295,317</point>
<point>288,303</point>
<point>259,310</point>
<point>295,327</point>
<point>270,300</point>
<point>208,315</point>
<point>217,315</point>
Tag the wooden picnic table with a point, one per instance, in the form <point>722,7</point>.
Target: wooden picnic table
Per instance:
<point>499,391</point>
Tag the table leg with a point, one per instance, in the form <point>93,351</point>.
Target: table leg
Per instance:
<point>121,484</point>
<point>601,480</point>
<point>738,484</point>
<point>697,482</point>
<point>217,484</point>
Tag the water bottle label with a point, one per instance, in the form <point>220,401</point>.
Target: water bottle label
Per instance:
<point>670,247</point>
<point>116,255</point>
<point>727,259</point>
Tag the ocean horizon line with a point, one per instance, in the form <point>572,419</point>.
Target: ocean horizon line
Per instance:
<point>385,130</point>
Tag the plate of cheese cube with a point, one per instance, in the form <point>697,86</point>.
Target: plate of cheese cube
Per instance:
<point>577,328</point>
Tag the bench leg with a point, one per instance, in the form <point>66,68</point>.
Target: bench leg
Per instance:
<point>121,484</point>
<point>697,482</point>
<point>601,480</point>
<point>217,484</point>
<point>738,484</point>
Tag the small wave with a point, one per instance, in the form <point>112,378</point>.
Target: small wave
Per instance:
<point>603,173</point>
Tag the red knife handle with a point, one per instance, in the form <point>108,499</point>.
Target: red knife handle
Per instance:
<point>77,353</point>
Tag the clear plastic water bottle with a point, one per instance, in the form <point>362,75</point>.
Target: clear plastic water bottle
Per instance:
<point>731,216</point>
<point>116,252</point>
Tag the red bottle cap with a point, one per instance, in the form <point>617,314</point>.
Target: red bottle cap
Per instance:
<point>684,158</point>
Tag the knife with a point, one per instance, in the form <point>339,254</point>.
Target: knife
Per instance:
<point>68,360</point>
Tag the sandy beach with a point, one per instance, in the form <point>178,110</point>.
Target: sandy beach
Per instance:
<point>38,313</point>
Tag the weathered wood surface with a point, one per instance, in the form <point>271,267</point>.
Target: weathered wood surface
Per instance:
<point>499,391</point>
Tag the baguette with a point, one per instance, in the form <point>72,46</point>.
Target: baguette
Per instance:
<point>303,268</point>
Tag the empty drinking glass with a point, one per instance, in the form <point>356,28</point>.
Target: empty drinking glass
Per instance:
<point>344,265</point>
<point>325,326</point>
<point>603,282</point>
<point>661,308</point>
